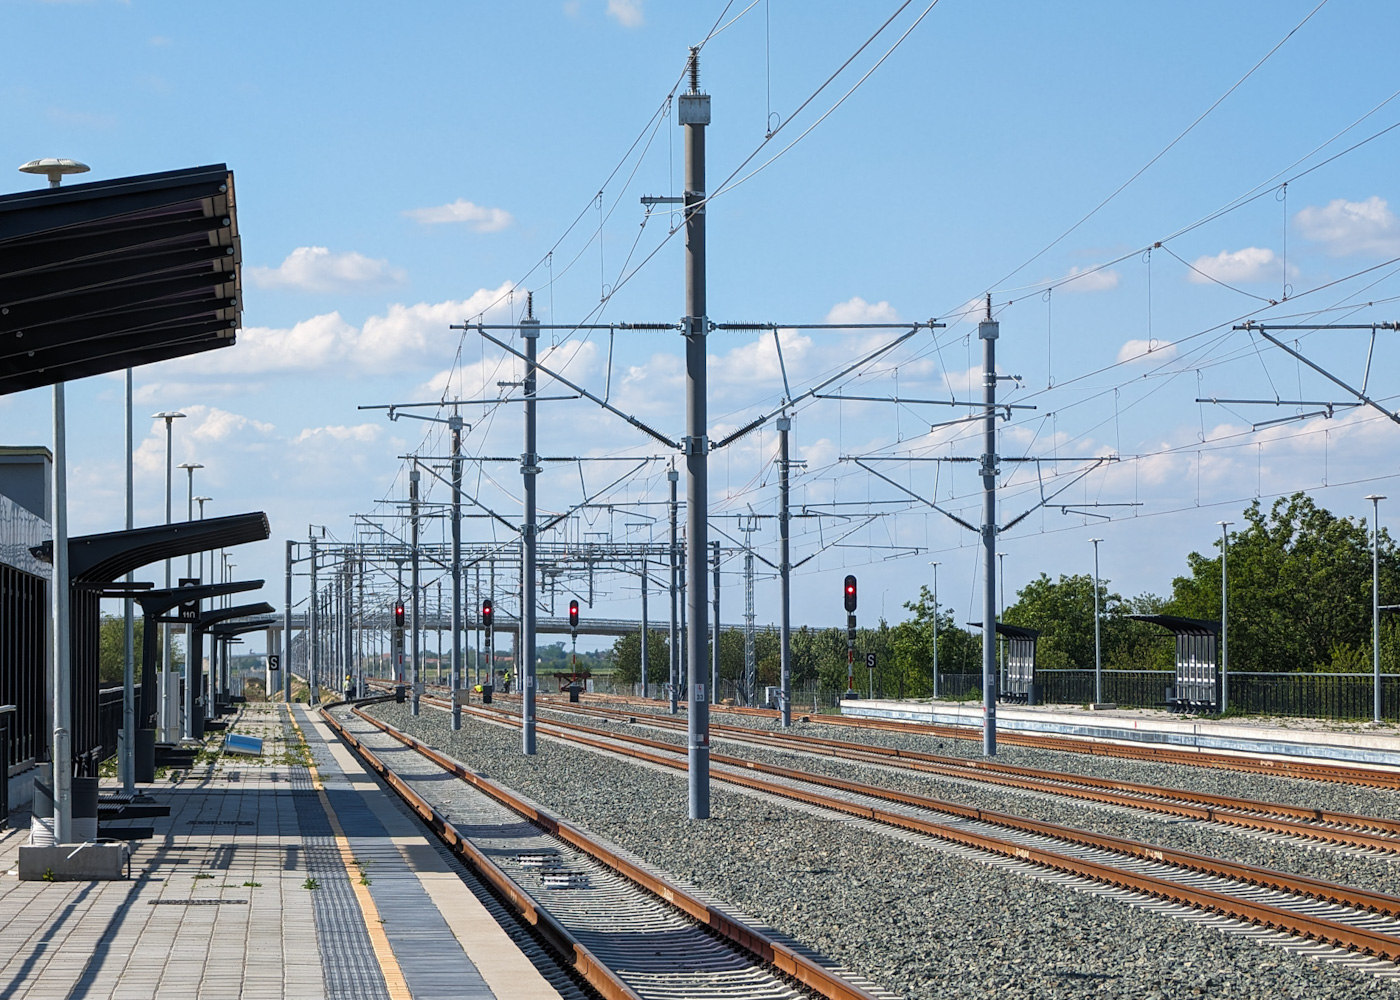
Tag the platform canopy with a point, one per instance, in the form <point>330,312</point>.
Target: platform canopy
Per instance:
<point>107,556</point>
<point>115,274</point>
<point>1180,626</point>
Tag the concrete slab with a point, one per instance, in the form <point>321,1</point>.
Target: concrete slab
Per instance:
<point>73,862</point>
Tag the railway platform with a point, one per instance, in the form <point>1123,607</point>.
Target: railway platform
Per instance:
<point>1353,743</point>
<point>295,875</point>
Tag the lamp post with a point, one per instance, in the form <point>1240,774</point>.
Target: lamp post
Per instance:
<point>1376,499</point>
<point>202,501</point>
<point>1224,615</point>
<point>191,695</point>
<point>935,630</point>
<point>166,723</point>
<point>1098,656</point>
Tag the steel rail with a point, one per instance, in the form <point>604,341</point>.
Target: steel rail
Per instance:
<point>1346,774</point>
<point>1321,929</point>
<point>774,953</point>
<point>1347,829</point>
<point>1319,889</point>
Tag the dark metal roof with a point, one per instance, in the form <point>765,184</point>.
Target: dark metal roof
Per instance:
<point>1181,626</point>
<point>114,274</point>
<point>116,553</point>
<point>1011,631</point>
<point>158,602</point>
<point>214,616</point>
<point>238,628</point>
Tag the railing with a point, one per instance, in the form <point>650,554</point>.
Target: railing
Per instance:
<point>109,721</point>
<point>1128,688</point>
<point>1314,696</point>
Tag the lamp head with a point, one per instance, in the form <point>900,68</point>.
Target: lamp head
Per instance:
<point>55,168</point>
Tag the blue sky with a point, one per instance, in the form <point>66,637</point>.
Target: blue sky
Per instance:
<point>403,168</point>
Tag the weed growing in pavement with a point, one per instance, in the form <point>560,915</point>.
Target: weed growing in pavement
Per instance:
<point>48,875</point>
<point>199,875</point>
<point>253,885</point>
<point>311,883</point>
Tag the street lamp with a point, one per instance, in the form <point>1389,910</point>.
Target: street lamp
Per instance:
<point>169,416</point>
<point>1376,499</point>
<point>201,501</point>
<point>61,747</point>
<point>1098,657</point>
<point>190,693</point>
<point>1224,615</point>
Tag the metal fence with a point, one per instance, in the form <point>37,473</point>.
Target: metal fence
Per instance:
<point>1314,696</point>
<point>1129,688</point>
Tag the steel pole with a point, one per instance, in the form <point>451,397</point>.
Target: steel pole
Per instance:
<point>286,664</point>
<point>1224,616</point>
<point>128,757</point>
<point>784,576</point>
<point>646,664</point>
<point>1376,499</point>
<point>454,423</point>
<point>988,331</point>
<point>935,631</point>
<point>313,652</point>
<point>191,695</point>
<point>1098,656</point>
<point>414,619</point>
<point>694,115</point>
<point>675,651</point>
<point>714,647</point>
<point>529,470</point>
<point>166,659</point>
<point>62,751</point>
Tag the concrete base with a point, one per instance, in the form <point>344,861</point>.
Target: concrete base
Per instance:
<point>73,862</point>
<point>1103,706</point>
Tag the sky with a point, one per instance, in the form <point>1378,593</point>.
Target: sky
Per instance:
<point>1127,181</point>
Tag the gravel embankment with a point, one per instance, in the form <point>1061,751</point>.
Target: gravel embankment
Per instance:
<point>920,922</point>
<point>1317,861</point>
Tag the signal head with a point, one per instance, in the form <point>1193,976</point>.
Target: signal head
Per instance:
<point>398,615</point>
<point>488,607</point>
<point>573,614</point>
<point>850,593</point>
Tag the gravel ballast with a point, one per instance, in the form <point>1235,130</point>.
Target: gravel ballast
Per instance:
<point>1378,874</point>
<point>921,922</point>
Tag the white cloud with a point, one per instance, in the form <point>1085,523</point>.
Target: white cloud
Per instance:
<point>1143,350</point>
<point>627,13</point>
<point>857,310</point>
<point>478,217</point>
<point>757,361</point>
<point>1099,280</point>
<point>406,337</point>
<point>1236,266</point>
<point>1353,227</point>
<point>339,434</point>
<point>316,269</point>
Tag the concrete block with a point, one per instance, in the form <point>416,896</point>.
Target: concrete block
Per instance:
<point>74,862</point>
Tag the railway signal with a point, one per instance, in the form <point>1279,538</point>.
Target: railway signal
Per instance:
<point>573,655</point>
<point>573,615</point>
<point>487,609</point>
<point>398,615</point>
<point>849,592</point>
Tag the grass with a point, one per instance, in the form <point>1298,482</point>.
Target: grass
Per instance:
<point>311,883</point>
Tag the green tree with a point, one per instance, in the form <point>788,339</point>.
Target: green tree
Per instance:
<point>1300,588</point>
<point>627,656</point>
<point>111,649</point>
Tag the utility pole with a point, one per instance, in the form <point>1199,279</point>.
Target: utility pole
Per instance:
<point>454,424</point>
<point>784,577</point>
<point>748,527</point>
<point>694,114</point>
<point>529,469</point>
<point>415,620</point>
<point>1224,615</point>
<point>988,331</point>
<point>714,650</point>
<point>675,650</point>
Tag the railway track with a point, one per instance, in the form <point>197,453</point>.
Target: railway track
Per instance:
<point>630,934</point>
<point>1387,778</point>
<point>1353,919</point>
<point>1372,833</point>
